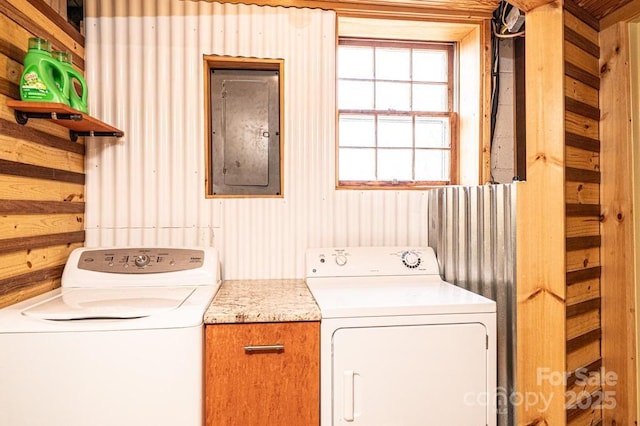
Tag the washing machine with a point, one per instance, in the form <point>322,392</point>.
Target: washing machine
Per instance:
<point>399,346</point>
<point>119,343</point>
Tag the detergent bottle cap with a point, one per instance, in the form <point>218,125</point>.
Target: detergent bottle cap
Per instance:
<point>62,56</point>
<point>36,43</point>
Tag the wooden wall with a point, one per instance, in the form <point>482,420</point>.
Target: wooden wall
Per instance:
<point>582,176</point>
<point>41,170</point>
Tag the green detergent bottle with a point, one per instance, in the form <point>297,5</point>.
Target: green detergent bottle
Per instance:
<point>43,78</point>
<point>77,85</point>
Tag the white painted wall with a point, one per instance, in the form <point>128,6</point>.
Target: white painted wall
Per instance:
<point>144,71</point>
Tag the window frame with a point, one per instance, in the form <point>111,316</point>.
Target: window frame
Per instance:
<point>452,114</point>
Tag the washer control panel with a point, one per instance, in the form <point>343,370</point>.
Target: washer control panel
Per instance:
<point>141,260</point>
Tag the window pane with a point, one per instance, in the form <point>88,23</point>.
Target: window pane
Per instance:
<point>357,130</point>
<point>432,132</point>
<point>355,94</point>
<point>357,164</point>
<point>394,131</point>
<point>355,62</point>
<point>393,96</point>
<point>394,164</point>
<point>430,97</point>
<point>432,164</point>
<point>430,65</point>
<point>393,64</point>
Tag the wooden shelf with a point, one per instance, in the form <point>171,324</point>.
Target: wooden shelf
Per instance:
<point>78,123</point>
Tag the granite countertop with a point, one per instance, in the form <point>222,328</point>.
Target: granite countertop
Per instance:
<point>240,301</point>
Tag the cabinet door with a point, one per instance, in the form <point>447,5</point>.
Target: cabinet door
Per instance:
<point>277,387</point>
<point>415,375</point>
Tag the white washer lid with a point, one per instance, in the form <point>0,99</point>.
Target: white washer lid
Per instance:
<point>109,303</point>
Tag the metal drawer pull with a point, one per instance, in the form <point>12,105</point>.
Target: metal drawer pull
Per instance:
<point>251,349</point>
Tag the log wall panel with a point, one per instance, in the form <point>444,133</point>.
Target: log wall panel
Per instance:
<point>21,151</point>
<point>29,225</point>
<point>23,188</point>
<point>41,171</point>
<point>582,181</point>
<point>581,59</point>
<point>581,92</point>
<point>582,159</point>
<point>581,125</point>
<point>582,259</point>
<point>582,193</point>
<point>583,355</point>
<point>576,24</point>
<point>583,291</point>
<point>24,261</point>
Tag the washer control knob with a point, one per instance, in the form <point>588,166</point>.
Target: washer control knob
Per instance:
<point>341,260</point>
<point>411,259</point>
<point>142,260</point>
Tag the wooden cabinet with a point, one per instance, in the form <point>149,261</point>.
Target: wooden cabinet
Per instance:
<point>262,374</point>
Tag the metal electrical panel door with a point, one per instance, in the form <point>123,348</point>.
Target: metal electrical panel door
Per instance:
<point>245,132</point>
<point>413,375</point>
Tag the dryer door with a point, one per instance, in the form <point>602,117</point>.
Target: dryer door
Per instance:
<point>411,375</point>
<point>109,303</point>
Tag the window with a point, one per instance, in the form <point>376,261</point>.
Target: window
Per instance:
<point>396,125</point>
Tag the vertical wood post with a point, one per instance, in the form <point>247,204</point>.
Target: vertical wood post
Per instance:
<point>541,228</point>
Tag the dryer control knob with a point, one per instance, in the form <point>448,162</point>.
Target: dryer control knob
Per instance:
<point>142,260</point>
<point>341,260</point>
<point>411,259</point>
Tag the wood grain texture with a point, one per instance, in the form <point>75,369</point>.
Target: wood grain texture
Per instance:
<point>580,26</point>
<point>578,243</point>
<point>28,243</point>
<point>583,355</point>
<point>582,159</point>
<point>583,291</point>
<point>33,153</point>
<point>618,281</point>
<point>590,273</point>
<point>572,7</point>
<point>278,388</point>
<point>21,188</point>
<point>20,282</point>
<point>39,207</point>
<point>582,42</point>
<point>27,170</point>
<point>25,261</point>
<point>27,225</point>
<point>582,324</point>
<point>583,226</point>
<point>581,59</point>
<point>582,142</point>
<point>581,92</point>
<point>41,171</point>
<point>581,108</point>
<point>540,211</point>
<point>583,259</point>
<point>581,75</point>
<point>580,175</point>
<point>33,289</point>
<point>14,130</point>
<point>581,125</point>
<point>582,193</point>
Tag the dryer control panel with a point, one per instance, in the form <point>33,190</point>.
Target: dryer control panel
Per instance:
<point>141,260</point>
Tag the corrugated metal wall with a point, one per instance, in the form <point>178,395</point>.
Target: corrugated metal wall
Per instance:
<point>472,230</point>
<point>144,71</point>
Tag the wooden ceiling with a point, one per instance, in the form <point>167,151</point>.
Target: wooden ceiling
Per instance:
<point>601,8</point>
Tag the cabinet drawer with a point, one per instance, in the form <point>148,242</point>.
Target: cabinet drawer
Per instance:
<point>262,374</point>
